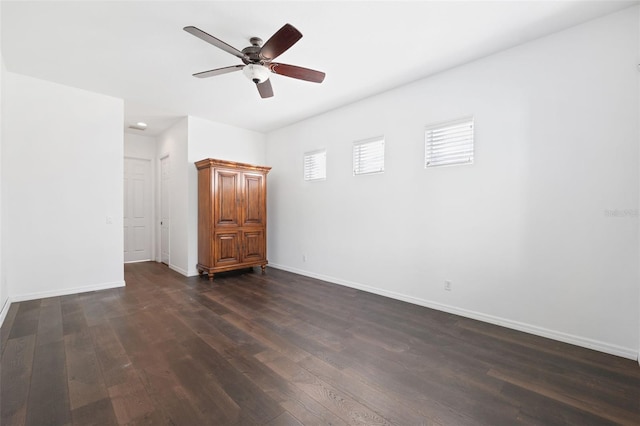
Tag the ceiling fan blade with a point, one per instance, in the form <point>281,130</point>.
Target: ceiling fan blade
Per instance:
<point>218,71</point>
<point>214,41</point>
<point>282,40</point>
<point>297,72</point>
<point>265,89</point>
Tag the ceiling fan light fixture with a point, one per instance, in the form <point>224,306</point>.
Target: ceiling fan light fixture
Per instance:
<point>138,126</point>
<point>256,73</point>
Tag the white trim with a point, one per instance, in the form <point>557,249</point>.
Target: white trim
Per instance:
<point>67,291</point>
<point>158,216</point>
<point>516,325</point>
<point>133,157</point>
<point>179,270</point>
<point>321,170</point>
<point>138,261</point>
<point>361,169</point>
<point>460,144</point>
<point>192,273</point>
<point>5,310</point>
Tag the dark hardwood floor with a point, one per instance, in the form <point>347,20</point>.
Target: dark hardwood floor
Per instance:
<point>282,349</point>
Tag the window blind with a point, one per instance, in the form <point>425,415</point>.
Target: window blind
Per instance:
<point>368,156</point>
<point>449,143</point>
<point>315,165</point>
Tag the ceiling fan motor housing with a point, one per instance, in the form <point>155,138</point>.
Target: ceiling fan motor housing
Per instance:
<point>253,54</point>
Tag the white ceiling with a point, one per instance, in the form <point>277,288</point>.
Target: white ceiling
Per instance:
<point>137,50</point>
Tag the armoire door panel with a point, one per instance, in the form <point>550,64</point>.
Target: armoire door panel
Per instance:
<point>226,248</point>
<point>254,202</point>
<point>227,186</point>
<point>253,246</point>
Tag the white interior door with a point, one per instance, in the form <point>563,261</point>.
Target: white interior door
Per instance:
<point>165,211</point>
<point>137,210</point>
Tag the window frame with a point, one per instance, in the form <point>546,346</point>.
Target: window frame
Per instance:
<point>441,126</point>
<point>370,141</point>
<point>324,163</point>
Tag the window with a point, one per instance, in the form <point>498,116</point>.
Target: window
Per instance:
<point>315,165</point>
<point>368,156</point>
<point>449,143</point>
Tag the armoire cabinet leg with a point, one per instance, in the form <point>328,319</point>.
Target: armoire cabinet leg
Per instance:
<point>264,268</point>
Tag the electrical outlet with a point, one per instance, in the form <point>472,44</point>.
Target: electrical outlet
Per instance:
<point>447,285</point>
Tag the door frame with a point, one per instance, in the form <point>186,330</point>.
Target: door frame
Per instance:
<point>165,156</point>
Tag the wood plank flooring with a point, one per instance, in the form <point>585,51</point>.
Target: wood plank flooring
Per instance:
<point>282,349</point>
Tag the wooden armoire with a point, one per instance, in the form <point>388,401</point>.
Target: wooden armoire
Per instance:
<point>232,216</point>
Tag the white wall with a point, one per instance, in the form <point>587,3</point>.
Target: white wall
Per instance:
<point>4,290</point>
<point>62,181</point>
<point>540,234</point>
<point>140,146</point>
<point>208,139</point>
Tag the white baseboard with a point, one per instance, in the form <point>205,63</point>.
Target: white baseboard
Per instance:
<point>66,291</point>
<point>504,322</point>
<point>4,311</point>
<point>55,293</point>
<point>184,272</point>
<point>179,270</point>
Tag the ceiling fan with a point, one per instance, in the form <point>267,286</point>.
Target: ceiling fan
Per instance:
<point>258,58</point>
